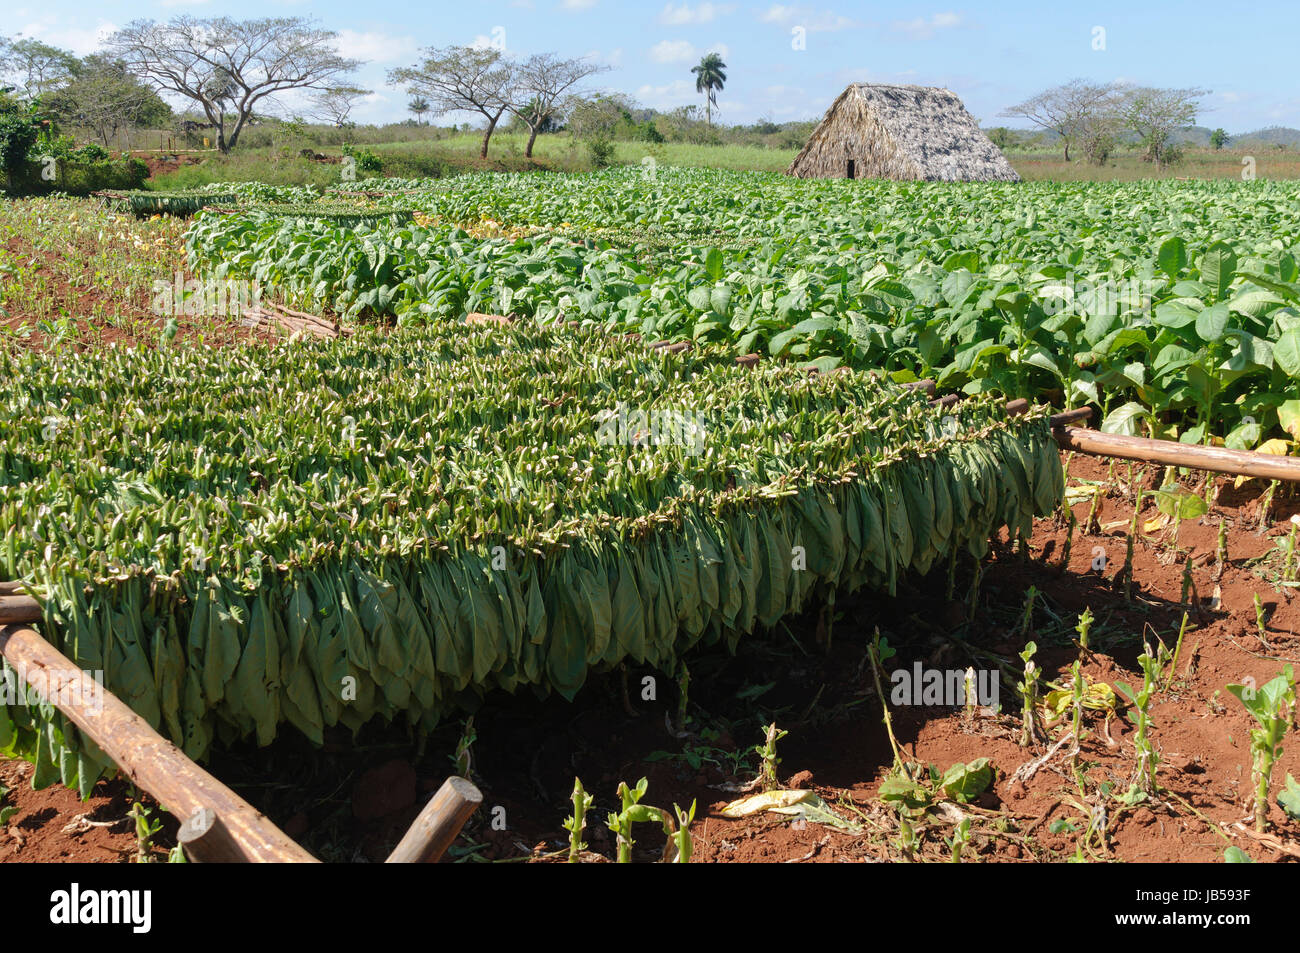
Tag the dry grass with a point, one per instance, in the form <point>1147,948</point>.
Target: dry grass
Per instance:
<point>1199,164</point>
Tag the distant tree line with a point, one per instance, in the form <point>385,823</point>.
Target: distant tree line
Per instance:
<point>1095,118</point>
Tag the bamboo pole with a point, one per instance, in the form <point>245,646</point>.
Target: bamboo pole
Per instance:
<point>438,824</point>
<point>149,760</point>
<point>1217,459</point>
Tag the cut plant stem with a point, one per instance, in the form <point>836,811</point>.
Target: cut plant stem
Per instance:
<point>1069,540</point>
<point>1265,507</point>
<point>1178,648</point>
<point>973,597</point>
<point>1221,550</point>
<point>1083,627</point>
<point>876,662</point>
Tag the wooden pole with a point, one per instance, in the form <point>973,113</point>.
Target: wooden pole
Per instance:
<point>149,760</point>
<point>10,588</point>
<point>19,609</point>
<point>1071,416</point>
<point>438,824</point>
<point>206,840</point>
<point>1217,459</point>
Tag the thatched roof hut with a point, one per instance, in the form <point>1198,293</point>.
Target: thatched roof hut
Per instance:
<point>875,131</point>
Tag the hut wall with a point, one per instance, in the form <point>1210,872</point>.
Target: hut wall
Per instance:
<point>851,131</point>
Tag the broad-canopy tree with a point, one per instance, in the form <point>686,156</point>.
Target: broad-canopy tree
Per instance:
<point>1072,110</point>
<point>104,97</point>
<point>226,65</point>
<point>335,105</point>
<point>541,82</point>
<point>1155,113</point>
<point>462,79</point>
<point>35,68</point>
<point>710,76</point>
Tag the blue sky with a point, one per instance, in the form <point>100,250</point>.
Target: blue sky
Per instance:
<point>992,55</point>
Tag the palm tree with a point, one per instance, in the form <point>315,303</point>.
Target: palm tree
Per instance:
<point>419,105</point>
<point>709,77</point>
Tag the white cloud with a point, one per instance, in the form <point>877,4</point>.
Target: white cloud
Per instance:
<point>922,28</point>
<point>674,15</point>
<point>80,41</point>
<point>496,40</point>
<point>684,51</point>
<point>680,92</point>
<point>375,47</point>
<point>578,4</point>
<point>813,21</point>
<point>613,59</point>
<point>673,51</point>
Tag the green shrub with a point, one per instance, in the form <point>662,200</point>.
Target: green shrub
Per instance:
<point>601,153</point>
<point>19,130</point>
<point>366,160</point>
<point>79,177</point>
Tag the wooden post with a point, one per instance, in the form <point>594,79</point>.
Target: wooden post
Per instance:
<point>148,759</point>
<point>1217,459</point>
<point>438,824</point>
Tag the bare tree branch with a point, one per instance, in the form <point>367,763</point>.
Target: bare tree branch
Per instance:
<point>543,80</point>
<point>231,65</point>
<point>462,79</point>
<point>1066,110</point>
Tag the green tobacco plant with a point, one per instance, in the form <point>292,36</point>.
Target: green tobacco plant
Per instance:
<point>683,689</point>
<point>1289,798</point>
<point>960,839</point>
<point>767,758</point>
<point>1144,779</point>
<point>1172,671</point>
<point>1027,613</point>
<point>682,836</point>
<point>576,822</point>
<point>1270,705</point>
<point>879,651</point>
<point>5,812</point>
<point>1030,730</point>
<point>462,758</point>
<point>313,554</point>
<point>1083,627</point>
<point>147,828</point>
<point>634,812</point>
<point>1288,564</point>
<point>1179,503</point>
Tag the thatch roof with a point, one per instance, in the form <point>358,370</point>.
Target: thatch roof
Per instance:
<point>901,132</point>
